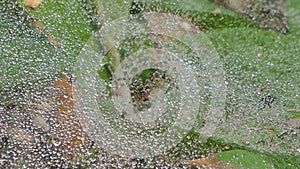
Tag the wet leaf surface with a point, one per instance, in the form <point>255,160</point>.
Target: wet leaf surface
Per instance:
<point>42,124</point>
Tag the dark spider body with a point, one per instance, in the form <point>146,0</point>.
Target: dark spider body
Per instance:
<point>268,100</point>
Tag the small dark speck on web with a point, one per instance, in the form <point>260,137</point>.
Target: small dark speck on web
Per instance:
<point>71,78</point>
<point>267,100</point>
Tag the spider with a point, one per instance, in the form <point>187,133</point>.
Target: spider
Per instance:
<point>141,92</point>
<point>267,100</point>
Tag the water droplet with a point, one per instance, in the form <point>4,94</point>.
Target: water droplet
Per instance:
<point>56,141</point>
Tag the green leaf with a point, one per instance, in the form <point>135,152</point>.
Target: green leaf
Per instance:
<point>255,159</point>
<point>244,159</point>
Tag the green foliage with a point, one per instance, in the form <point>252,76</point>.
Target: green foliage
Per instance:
<point>244,159</point>
<point>63,27</point>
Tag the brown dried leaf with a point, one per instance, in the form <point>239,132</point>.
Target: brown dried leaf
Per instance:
<point>32,3</point>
